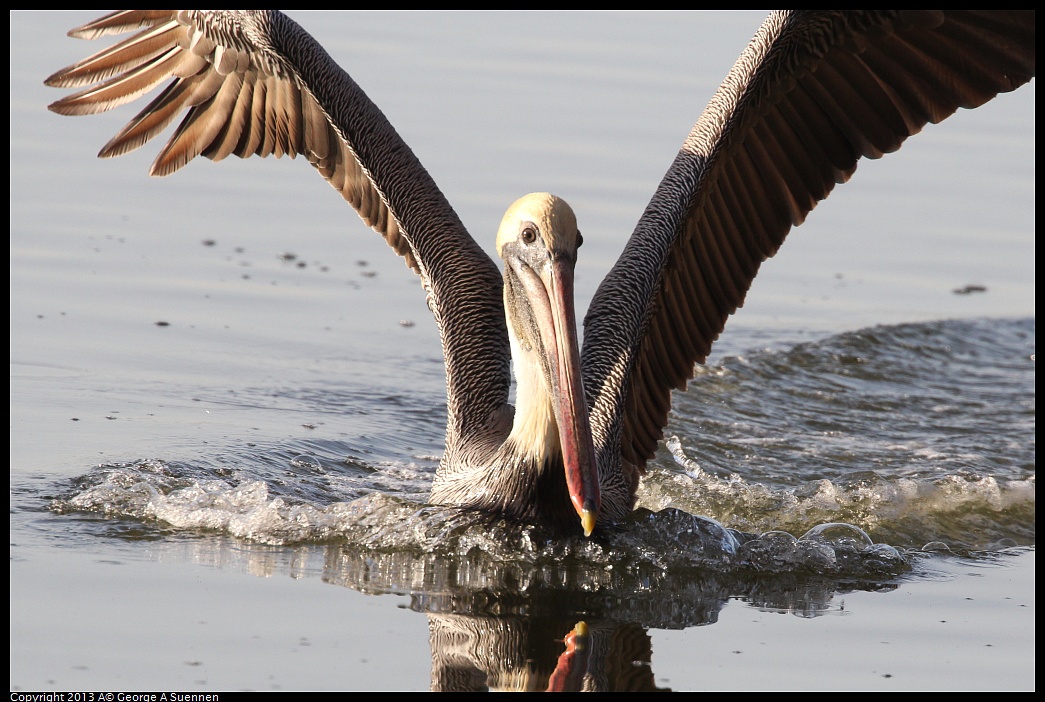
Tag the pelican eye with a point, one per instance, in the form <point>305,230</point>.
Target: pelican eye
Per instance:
<point>528,233</point>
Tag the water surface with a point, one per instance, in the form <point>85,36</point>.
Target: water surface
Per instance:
<point>286,417</point>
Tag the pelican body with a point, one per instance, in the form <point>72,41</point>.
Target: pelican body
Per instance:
<point>812,93</point>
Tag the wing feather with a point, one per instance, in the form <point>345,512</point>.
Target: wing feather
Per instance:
<point>812,94</point>
<point>253,83</point>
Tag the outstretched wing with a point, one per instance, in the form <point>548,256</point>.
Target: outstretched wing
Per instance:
<point>253,82</point>
<point>813,93</point>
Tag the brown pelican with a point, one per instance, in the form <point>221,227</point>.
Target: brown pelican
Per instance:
<point>812,93</point>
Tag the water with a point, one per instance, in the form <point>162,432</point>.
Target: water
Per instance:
<point>914,432</point>
<point>903,431</point>
<point>284,421</point>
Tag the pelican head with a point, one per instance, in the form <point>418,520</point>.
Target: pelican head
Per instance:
<point>538,242</point>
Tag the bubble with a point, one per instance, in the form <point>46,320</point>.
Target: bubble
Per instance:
<point>309,464</point>
<point>838,533</point>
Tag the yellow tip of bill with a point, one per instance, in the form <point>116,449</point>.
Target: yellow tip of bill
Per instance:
<point>588,521</point>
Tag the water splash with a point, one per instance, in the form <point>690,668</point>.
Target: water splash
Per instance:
<point>894,438</point>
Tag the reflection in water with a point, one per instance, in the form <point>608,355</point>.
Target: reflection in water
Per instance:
<point>483,639</point>
<point>916,435</point>
<point>475,654</point>
<point>511,609</point>
<point>498,625</point>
